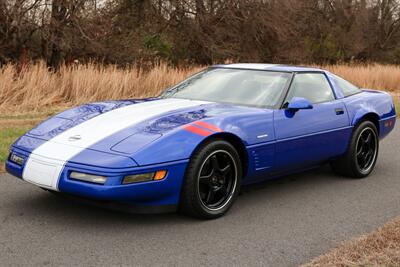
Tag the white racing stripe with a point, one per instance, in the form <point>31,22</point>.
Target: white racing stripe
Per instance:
<point>46,162</point>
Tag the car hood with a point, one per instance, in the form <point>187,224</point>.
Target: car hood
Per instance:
<point>124,126</point>
<point>88,125</point>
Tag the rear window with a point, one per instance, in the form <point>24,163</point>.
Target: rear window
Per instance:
<point>347,87</point>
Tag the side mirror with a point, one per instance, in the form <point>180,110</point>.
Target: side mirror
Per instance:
<point>298,103</point>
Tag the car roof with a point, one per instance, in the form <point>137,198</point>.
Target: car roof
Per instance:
<point>269,67</point>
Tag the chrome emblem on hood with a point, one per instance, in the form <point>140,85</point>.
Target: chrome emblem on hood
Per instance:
<point>74,138</point>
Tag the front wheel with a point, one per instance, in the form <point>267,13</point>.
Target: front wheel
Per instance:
<point>360,158</point>
<point>212,180</point>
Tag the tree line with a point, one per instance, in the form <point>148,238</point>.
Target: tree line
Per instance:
<point>125,32</point>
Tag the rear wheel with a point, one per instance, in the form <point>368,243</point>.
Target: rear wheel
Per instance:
<point>212,180</point>
<point>360,158</point>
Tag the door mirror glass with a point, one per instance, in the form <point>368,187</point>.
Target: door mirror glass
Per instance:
<point>298,103</point>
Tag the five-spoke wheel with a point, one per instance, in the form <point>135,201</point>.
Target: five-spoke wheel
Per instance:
<point>366,149</point>
<point>212,180</point>
<point>217,179</point>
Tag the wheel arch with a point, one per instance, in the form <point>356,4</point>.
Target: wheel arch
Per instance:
<point>369,116</point>
<point>236,142</point>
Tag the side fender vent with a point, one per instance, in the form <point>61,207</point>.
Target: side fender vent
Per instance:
<point>262,157</point>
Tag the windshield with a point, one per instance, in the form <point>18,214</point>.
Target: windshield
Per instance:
<point>233,86</point>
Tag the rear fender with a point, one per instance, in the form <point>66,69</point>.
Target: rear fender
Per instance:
<point>363,113</point>
<point>374,105</point>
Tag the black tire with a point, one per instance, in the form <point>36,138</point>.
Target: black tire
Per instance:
<point>206,181</point>
<point>356,162</point>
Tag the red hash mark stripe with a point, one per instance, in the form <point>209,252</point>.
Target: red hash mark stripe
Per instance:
<point>197,130</point>
<point>208,126</point>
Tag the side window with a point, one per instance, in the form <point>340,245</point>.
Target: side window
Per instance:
<point>312,86</point>
<point>347,88</point>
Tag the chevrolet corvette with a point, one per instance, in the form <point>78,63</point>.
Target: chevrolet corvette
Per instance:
<point>193,147</point>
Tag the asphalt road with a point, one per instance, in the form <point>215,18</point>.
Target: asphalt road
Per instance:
<point>282,223</point>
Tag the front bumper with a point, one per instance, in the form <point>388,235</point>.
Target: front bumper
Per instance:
<point>163,193</point>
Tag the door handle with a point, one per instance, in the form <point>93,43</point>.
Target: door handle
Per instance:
<point>339,111</point>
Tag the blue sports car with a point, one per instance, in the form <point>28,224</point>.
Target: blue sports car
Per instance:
<point>194,146</point>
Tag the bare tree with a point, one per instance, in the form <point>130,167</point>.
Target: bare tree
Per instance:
<point>200,31</point>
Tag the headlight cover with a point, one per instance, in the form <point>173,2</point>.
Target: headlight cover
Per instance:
<point>88,177</point>
<point>144,177</point>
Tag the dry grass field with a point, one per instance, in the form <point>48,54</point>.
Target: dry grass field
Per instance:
<point>36,89</point>
<point>379,248</point>
<point>373,76</point>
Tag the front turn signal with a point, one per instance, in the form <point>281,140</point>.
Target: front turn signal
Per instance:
<point>159,175</point>
<point>144,177</point>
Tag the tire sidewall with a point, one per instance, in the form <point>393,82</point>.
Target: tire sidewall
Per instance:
<point>192,176</point>
<point>357,132</point>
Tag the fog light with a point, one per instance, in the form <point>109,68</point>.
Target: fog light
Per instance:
<point>17,159</point>
<point>144,177</point>
<point>88,177</point>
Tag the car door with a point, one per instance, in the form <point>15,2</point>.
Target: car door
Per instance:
<point>310,136</point>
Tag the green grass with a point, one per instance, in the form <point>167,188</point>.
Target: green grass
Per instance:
<point>7,137</point>
<point>21,123</point>
<point>30,115</point>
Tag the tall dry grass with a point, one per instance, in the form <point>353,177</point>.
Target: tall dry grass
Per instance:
<point>374,76</point>
<point>38,89</point>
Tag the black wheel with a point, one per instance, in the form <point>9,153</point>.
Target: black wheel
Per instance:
<point>360,158</point>
<point>212,180</point>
